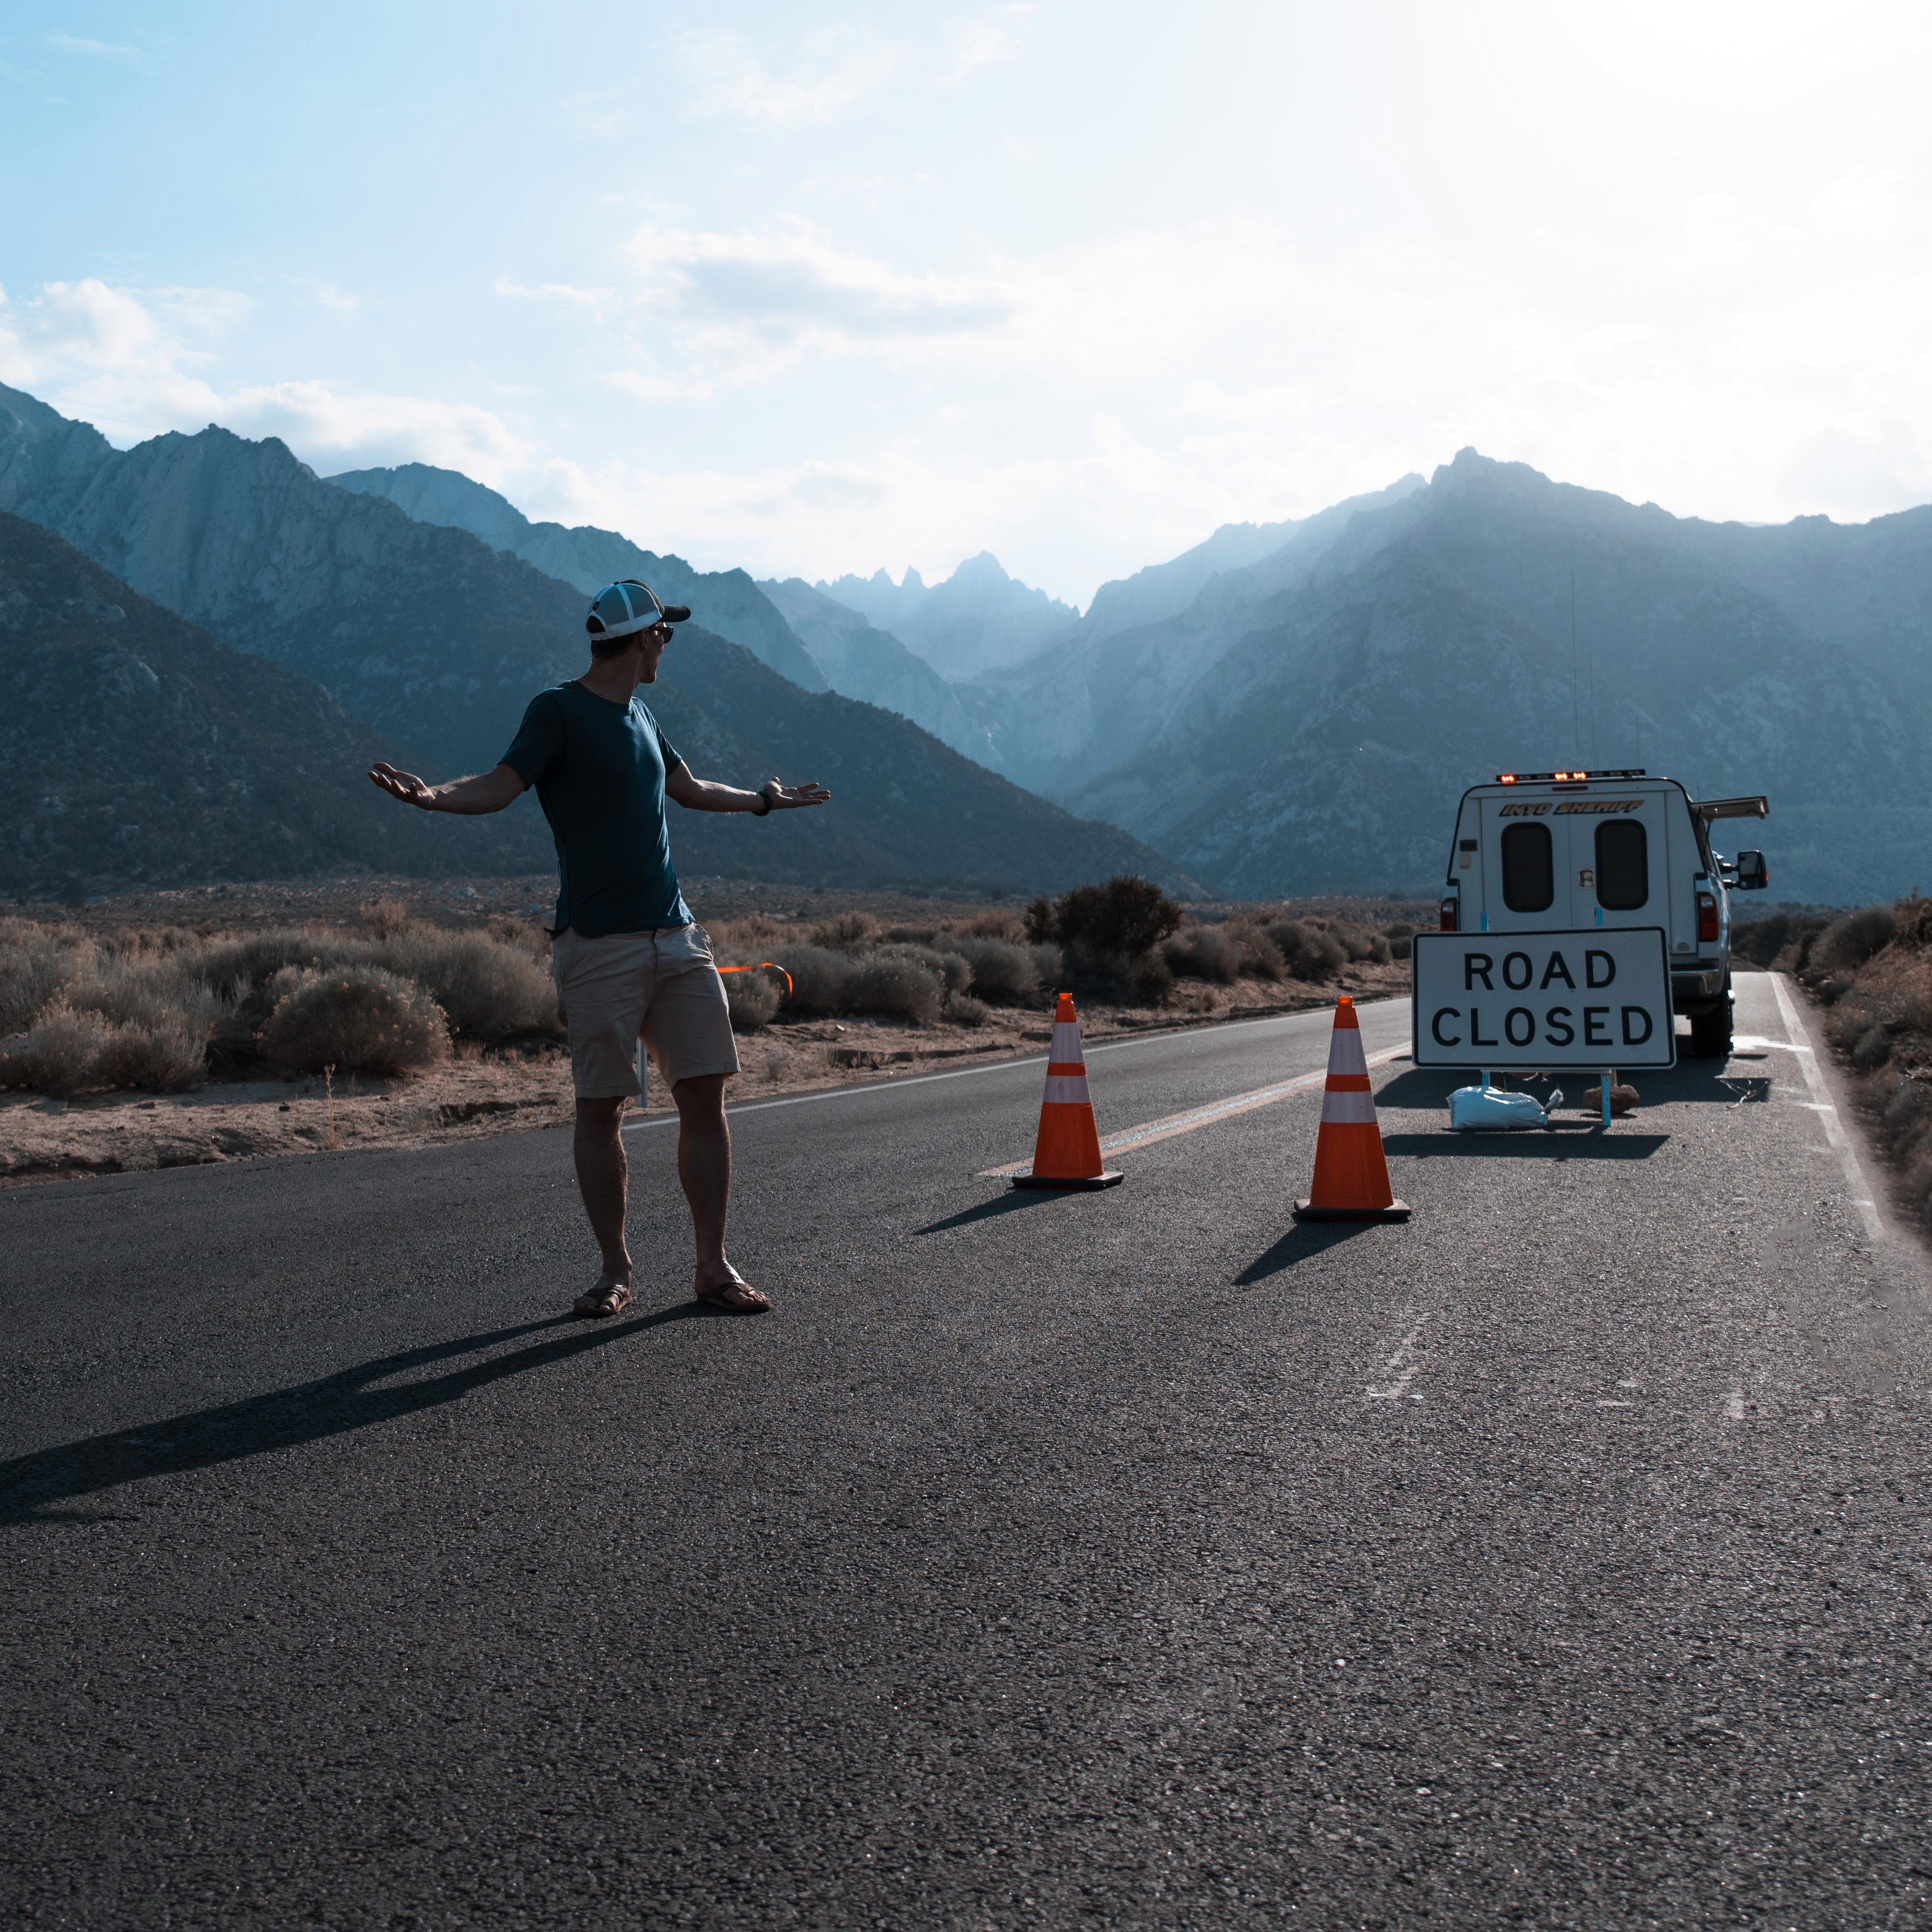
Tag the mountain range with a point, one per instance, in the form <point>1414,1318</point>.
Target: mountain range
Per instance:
<point>1306,722</point>
<point>138,750</point>
<point>431,640</point>
<point>978,620</point>
<point>1290,707</point>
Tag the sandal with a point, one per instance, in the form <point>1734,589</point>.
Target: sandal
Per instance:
<point>736,1296</point>
<point>600,1304</point>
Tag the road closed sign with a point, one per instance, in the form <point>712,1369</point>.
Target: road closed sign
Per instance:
<point>1543,999</point>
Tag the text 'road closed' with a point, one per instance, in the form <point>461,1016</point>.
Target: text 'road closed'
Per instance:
<point>1590,999</point>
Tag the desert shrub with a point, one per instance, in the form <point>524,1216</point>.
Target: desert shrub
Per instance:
<point>1260,957</point>
<point>521,936</point>
<point>1308,951</point>
<point>753,999</point>
<point>488,991</point>
<point>1846,945</point>
<point>896,980</point>
<point>358,1019</point>
<point>1144,979</point>
<point>1039,923</point>
<point>158,992</point>
<point>847,931</point>
<point>385,917</point>
<point>1151,978</point>
<point>1007,925</point>
<point>1906,1112</point>
<point>1358,943</point>
<point>1204,952</point>
<point>1400,936</point>
<point>1049,965</point>
<point>1912,923</point>
<point>1846,1023</point>
<point>1784,940</point>
<point>963,1009</point>
<point>34,964</point>
<point>231,966</point>
<point>954,968</point>
<point>821,980</point>
<point>912,935</point>
<point>167,1056</point>
<point>1760,940</point>
<point>1872,1049</point>
<point>1127,915</point>
<point>1002,971</point>
<point>66,1050</point>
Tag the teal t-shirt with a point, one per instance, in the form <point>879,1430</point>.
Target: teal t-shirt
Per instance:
<point>599,771</point>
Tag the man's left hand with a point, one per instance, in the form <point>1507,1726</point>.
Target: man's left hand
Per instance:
<point>787,798</point>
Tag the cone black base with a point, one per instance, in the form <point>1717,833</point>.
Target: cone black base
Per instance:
<point>1088,1183</point>
<point>1397,1210</point>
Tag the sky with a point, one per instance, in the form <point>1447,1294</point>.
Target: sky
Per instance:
<point>812,290</point>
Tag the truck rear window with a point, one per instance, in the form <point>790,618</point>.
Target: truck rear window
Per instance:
<point>1529,875</point>
<point>1623,865</point>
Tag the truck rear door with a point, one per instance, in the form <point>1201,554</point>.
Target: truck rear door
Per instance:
<point>1620,857</point>
<point>1528,881</point>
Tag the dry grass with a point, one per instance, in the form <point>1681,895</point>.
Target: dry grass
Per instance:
<point>956,969</point>
<point>152,1008</point>
<point>91,1007</point>
<point>1872,970</point>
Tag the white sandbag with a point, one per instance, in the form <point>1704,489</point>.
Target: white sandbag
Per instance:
<point>1490,1109</point>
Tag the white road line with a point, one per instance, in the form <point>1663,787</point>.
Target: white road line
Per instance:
<point>1734,1405</point>
<point>1835,1128</point>
<point>1397,1389</point>
<point>1171,1124</point>
<point>994,1066</point>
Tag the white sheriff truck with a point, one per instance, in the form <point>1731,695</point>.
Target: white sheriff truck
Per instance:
<point>1582,852</point>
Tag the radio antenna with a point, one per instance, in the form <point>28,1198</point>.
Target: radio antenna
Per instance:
<point>1575,702</point>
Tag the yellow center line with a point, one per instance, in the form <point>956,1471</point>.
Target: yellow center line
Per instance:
<point>1166,1128</point>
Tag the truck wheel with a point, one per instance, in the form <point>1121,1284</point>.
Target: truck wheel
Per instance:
<point>1710,1031</point>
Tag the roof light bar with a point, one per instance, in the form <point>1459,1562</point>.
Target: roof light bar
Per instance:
<point>1568,778</point>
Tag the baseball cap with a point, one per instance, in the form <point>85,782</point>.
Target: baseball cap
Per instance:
<point>630,605</point>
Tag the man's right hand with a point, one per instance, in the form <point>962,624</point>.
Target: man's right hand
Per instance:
<point>404,785</point>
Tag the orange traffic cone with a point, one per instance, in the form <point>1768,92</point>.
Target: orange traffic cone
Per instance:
<point>1352,1182</point>
<point>1067,1153</point>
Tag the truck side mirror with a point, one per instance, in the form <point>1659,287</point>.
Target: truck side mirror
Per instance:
<point>1754,875</point>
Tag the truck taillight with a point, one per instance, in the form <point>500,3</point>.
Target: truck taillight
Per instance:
<point>1707,919</point>
<point>1449,919</point>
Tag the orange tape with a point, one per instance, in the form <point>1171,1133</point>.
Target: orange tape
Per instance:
<point>771,963</point>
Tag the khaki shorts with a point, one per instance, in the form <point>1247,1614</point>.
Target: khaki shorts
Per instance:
<point>660,987</point>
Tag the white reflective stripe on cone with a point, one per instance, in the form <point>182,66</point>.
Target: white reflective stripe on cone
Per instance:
<point>1344,1051</point>
<point>1348,1109</point>
<point>1066,1041</point>
<point>1067,1090</point>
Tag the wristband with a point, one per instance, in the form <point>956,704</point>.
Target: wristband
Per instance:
<point>764,809</point>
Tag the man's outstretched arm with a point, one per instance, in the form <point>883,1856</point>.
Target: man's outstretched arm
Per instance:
<point>707,795</point>
<point>490,792</point>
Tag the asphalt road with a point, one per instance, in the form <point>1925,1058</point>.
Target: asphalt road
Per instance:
<point>1142,1558</point>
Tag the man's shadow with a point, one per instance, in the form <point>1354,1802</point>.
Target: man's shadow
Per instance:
<point>31,1486</point>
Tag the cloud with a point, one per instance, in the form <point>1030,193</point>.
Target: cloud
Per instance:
<point>973,45</point>
<point>822,75</point>
<point>743,305</point>
<point>330,430</point>
<point>133,364</point>
<point>67,44</point>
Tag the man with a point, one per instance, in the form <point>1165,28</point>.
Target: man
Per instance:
<point>630,962</point>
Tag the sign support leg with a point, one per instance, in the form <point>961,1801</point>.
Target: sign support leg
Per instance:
<point>1606,1096</point>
